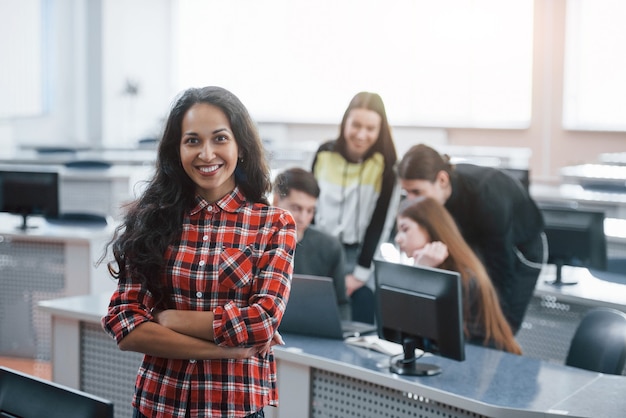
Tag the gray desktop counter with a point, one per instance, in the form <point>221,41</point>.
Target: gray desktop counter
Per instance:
<point>613,204</point>
<point>44,262</point>
<point>95,191</point>
<point>555,311</point>
<point>328,378</point>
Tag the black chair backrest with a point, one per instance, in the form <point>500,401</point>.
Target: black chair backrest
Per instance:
<point>26,396</point>
<point>599,343</point>
<point>89,164</point>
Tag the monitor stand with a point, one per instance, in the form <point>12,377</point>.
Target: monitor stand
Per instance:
<point>559,277</point>
<point>408,364</point>
<point>24,226</point>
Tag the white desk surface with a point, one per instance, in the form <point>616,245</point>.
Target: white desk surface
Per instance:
<point>131,156</point>
<point>590,289</point>
<point>574,192</point>
<point>42,230</point>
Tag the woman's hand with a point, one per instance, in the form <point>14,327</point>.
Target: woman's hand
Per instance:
<point>239,353</point>
<point>431,255</point>
<point>277,339</point>
<point>352,284</point>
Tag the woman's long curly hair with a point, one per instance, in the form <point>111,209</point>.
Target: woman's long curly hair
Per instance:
<point>154,221</point>
<point>435,219</point>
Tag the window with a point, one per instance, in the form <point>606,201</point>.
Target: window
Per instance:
<point>21,72</point>
<point>595,64</point>
<point>446,63</point>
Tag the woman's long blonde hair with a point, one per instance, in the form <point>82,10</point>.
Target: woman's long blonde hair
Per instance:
<point>437,221</point>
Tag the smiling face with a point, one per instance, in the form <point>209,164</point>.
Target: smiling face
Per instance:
<point>410,236</point>
<point>209,151</point>
<point>361,132</point>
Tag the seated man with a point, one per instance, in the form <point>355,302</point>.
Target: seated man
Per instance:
<point>317,252</point>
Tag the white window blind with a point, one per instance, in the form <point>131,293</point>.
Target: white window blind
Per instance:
<point>21,72</point>
<point>595,65</point>
<point>465,63</point>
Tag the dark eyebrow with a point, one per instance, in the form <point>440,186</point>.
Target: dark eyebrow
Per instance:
<point>213,133</point>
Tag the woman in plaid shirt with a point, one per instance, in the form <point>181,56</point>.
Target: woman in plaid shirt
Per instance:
<point>204,267</point>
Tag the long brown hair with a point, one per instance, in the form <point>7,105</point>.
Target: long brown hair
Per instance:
<point>435,219</point>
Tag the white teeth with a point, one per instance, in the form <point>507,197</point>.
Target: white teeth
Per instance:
<point>209,169</point>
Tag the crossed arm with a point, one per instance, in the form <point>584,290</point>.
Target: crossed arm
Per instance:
<point>186,335</point>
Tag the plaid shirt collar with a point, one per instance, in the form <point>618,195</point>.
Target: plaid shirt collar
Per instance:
<point>231,202</point>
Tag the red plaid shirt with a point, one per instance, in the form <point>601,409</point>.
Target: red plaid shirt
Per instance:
<point>234,258</point>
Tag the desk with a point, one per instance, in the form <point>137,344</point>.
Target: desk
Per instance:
<point>45,262</point>
<point>130,156</point>
<point>616,158</point>
<point>555,312</point>
<point>97,191</point>
<point>328,378</point>
<point>604,176</point>
<point>613,204</point>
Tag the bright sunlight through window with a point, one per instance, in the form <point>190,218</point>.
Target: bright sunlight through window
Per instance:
<point>595,64</point>
<point>21,72</point>
<point>445,63</point>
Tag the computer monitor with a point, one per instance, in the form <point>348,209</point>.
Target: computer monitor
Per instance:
<point>23,395</point>
<point>28,193</point>
<point>575,237</point>
<point>521,174</point>
<point>419,307</point>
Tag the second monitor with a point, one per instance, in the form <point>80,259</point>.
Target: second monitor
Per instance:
<point>575,237</point>
<point>29,193</point>
<point>420,307</point>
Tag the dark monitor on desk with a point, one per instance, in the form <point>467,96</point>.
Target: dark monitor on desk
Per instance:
<point>419,307</point>
<point>23,395</point>
<point>521,174</point>
<point>575,237</point>
<point>29,193</point>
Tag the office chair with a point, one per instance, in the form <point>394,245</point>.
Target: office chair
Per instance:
<point>617,265</point>
<point>88,164</point>
<point>599,343</point>
<point>26,396</point>
<point>150,143</point>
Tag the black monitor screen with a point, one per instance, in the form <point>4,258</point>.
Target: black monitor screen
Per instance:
<point>523,175</point>
<point>575,237</point>
<point>420,307</point>
<point>24,395</point>
<point>29,193</point>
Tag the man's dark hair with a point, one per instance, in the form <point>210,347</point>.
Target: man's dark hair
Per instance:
<point>297,179</point>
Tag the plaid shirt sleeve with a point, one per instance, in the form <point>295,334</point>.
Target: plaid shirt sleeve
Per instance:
<point>129,307</point>
<point>273,245</point>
